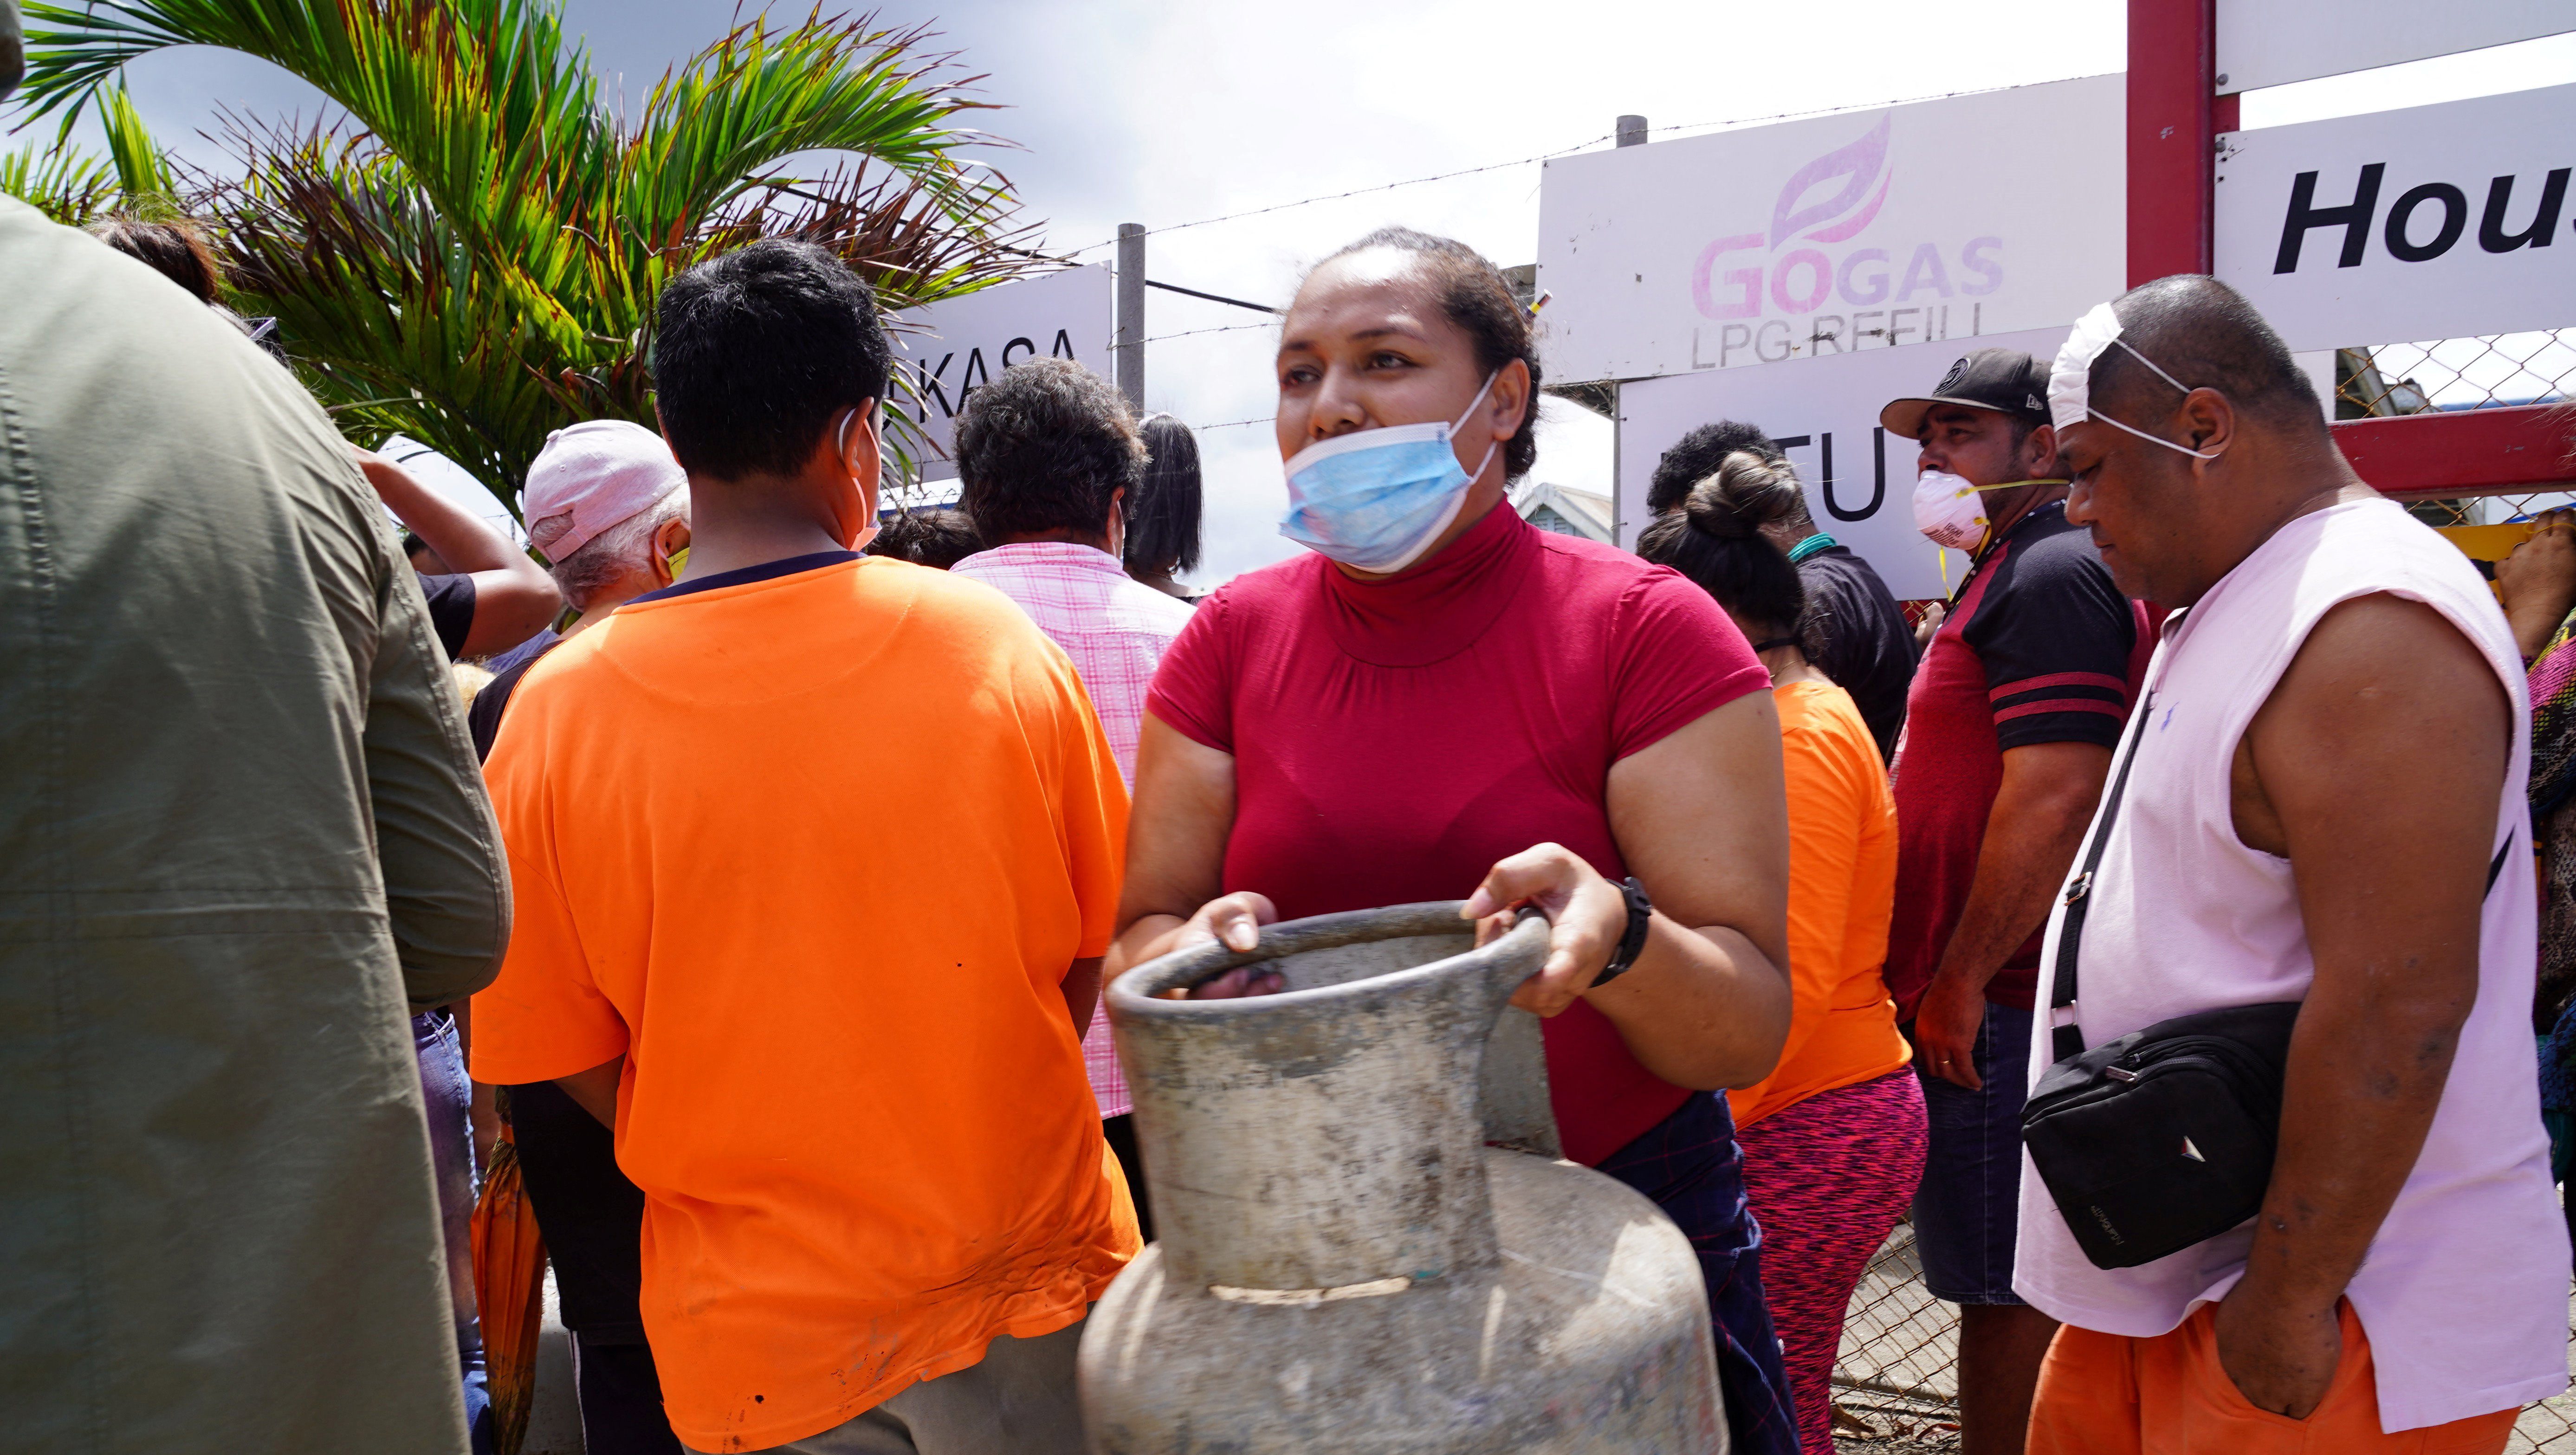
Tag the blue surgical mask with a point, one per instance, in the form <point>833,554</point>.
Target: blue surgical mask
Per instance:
<point>1376,499</point>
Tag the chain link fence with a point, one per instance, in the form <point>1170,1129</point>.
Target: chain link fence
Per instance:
<point>1897,1377</point>
<point>2447,375</point>
<point>2453,374</point>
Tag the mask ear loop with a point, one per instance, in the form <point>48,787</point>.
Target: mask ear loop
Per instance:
<point>2152,367</point>
<point>1478,473</point>
<point>2123,346</point>
<point>2154,439</point>
<point>1470,411</point>
<point>841,447</point>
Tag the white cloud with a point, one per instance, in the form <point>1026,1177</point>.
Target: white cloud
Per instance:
<point>1165,113</point>
<point>1168,113</point>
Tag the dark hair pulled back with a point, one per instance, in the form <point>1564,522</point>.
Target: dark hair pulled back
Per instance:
<point>1474,297</point>
<point>1163,516</point>
<point>936,538</point>
<point>1716,540</point>
<point>176,250</point>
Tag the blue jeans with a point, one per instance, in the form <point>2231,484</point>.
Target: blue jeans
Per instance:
<point>449,1097</point>
<point>1968,1208</point>
<point>1688,1164</point>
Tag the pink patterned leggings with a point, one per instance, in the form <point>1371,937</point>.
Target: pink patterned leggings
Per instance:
<point>1828,1178</point>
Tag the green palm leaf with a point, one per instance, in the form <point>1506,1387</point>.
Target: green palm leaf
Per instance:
<point>141,169</point>
<point>390,319</point>
<point>67,184</point>
<point>475,261</point>
<point>74,186</point>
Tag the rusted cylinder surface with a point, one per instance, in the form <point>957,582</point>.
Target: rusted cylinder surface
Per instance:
<point>1345,1263</point>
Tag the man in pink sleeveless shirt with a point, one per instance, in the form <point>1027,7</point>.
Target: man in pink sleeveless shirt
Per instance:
<point>2332,748</point>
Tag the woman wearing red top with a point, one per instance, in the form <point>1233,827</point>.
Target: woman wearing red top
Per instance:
<point>1444,701</point>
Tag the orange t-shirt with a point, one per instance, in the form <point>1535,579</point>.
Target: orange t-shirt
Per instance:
<point>814,852</point>
<point>1842,891</point>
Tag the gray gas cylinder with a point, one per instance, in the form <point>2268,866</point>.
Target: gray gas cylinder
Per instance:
<point>1347,1261</point>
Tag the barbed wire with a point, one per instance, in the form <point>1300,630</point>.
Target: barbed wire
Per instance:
<point>1354,192</point>
<point>1228,328</point>
<point>1566,152</point>
<point>1868,106</point>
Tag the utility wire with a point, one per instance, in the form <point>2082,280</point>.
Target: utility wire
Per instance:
<point>1150,283</point>
<point>1214,297</point>
<point>1232,423</point>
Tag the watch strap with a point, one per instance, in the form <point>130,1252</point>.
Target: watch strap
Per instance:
<point>1633,943</point>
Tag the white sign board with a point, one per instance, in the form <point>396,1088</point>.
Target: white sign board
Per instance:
<point>951,349</point>
<point>1859,482</point>
<point>2273,42</point>
<point>2432,222</point>
<point>1937,222</point>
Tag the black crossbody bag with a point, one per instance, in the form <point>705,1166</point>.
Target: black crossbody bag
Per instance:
<point>2163,1138</point>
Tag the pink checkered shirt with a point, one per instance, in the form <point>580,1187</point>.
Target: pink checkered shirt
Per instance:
<point>1115,631</point>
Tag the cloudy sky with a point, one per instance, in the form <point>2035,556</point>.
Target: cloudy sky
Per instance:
<point>1172,113</point>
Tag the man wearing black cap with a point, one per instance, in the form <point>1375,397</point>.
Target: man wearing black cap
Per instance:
<point>2009,728</point>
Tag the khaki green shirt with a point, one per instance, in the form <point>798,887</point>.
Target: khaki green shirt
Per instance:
<point>242,835</point>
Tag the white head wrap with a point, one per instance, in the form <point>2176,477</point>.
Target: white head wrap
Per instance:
<point>2070,378</point>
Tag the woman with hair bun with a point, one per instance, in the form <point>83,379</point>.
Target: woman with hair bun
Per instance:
<point>1441,701</point>
<point>1834,1138</point>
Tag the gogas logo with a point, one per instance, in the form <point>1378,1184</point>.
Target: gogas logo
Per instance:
<point>1799,267</point>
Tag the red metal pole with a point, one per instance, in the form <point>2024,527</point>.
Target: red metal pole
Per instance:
<point>2175,115</point>
<point>2518,451</point>
<point>2172,75</point>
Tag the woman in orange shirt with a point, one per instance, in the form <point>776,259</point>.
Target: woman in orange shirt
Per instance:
<point>1833,1139</point>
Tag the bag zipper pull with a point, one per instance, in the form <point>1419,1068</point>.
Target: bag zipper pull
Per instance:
<point>2080,886</point>
<point>2119,1073</point>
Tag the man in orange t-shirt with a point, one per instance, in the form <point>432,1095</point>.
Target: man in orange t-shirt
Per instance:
<point>815,857</point>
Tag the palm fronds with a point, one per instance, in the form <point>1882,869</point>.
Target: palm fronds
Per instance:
<point>474,259</point>
<point>75,186</point>
<point>141,169</point>
<point>65,183</point>
<point>385,304</point>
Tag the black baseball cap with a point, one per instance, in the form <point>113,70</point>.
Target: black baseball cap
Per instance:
<point>2007,381</point>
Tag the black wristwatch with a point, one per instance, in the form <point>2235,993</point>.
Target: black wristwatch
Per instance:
<point>1633,943</point>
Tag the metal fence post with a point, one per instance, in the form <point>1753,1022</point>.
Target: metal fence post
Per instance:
<point>1630,131</point>
<point>1128,344</point>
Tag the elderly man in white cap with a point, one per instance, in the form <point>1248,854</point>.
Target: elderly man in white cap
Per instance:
<point>609,507</point>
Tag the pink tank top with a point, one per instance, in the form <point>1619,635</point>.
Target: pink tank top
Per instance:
<point>2464,1292</point>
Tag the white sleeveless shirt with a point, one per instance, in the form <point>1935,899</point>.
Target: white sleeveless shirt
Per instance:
<point>2463,1294</point>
